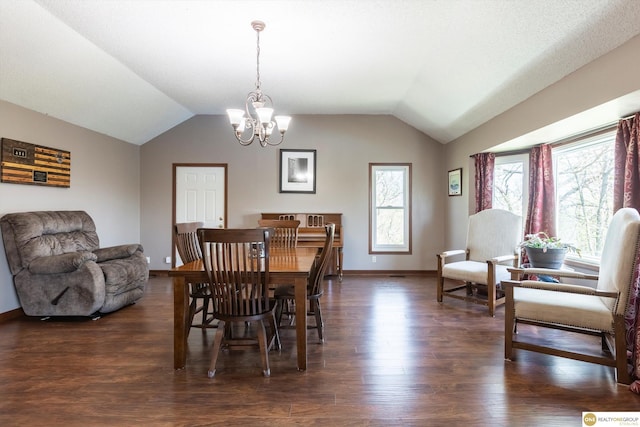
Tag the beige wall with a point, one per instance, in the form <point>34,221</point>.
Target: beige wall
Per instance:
<point>127,189</point>
<point>105,182</point>
<point>345,146</point>
<point>610,77</point>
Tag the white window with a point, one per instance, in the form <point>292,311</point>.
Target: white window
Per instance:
<point>584,192</point>
<point>390,208</point>
<point>511,183</point>
<point>583,175</point>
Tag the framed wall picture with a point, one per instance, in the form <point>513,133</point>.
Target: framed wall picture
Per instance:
<point>455,182</point>
<point>25,163</point>
<point>298,171</point>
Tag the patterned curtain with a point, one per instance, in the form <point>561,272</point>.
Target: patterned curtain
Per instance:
<point>542,198</point>
<point>484,163</point>
<point>626,181</point>
<point>626,194</point>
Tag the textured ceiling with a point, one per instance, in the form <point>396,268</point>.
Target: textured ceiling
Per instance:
<point>134,69</point>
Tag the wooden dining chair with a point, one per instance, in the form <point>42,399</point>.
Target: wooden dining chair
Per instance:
<point>285,235</point>
<point>237,265</point>
<point>189,250</point>
<point>285,232</point>
<point>285,295</point>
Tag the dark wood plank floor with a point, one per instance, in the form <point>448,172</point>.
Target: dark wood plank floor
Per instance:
<point>393,356</point>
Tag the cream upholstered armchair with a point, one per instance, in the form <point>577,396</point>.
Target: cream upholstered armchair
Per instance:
<point>492,238</point>
<point>577,308</point>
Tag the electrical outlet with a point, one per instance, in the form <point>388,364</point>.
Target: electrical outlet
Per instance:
<point>167,260</point>
<point>373,259</point>
<point>148,260</point>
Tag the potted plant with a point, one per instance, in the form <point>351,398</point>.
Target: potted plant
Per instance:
<point>546,252</point>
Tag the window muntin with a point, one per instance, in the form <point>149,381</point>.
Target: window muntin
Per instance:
<point>390,209</point>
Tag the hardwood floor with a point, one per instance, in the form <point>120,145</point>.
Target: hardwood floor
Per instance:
<point>393,356</point>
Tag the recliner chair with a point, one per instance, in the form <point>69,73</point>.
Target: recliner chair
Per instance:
<point>59,268</point>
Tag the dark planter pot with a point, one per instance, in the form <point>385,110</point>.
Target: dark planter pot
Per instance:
<point>551,258</point>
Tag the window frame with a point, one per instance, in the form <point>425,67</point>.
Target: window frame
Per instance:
<point>575,142</point>
<point>406,248</point>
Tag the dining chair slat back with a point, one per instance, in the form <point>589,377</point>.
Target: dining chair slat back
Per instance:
<point>285,295</point>
<point>189,250</point>
<point>285,232</point>
<point>236,262</point>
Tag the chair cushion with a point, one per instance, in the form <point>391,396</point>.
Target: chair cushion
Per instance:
<point>120,275</point>
<point>585,311</point>
<point>473,271</point>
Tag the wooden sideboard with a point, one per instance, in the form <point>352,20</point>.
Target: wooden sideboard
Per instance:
<point>311,234</point>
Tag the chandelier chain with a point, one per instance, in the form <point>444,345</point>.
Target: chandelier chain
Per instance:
<point>258,60</point>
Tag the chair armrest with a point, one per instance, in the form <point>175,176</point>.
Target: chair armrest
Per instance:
<point>503,258</point>
<point>63,263</point>
<point>552,272</point>
<point>446,254</point>
<point>117,252</point>
<point>558,287</point>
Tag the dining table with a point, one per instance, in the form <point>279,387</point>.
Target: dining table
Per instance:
<point>291,266</point>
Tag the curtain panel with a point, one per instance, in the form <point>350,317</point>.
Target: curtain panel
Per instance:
<point>542,197</point>
<point>626,194</point>
<point>626,181</point>
<point>484,163</point>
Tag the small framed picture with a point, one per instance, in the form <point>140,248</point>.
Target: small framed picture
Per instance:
<point>455,182</point>
<point>298,171</point>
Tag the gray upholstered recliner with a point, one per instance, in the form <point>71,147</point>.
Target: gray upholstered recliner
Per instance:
<point>59,268</point>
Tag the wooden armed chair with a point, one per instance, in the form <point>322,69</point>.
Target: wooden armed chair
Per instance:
<point>284,295</point>
<point>285,232</point>
<point>189,250</point>
<point>285,235</point>
<point>576,308</point>
<point>492,238</point>
<point>237,265</point>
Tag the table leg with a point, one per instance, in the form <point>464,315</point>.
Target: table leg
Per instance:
<point>300,287</point>
<point>180,314</point>
<point>340,264</point>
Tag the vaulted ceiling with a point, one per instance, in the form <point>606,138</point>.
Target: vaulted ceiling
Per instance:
<point>133,69</point>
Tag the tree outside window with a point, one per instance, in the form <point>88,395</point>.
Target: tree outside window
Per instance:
<point>583,175</point>
<point>584,191</point>
<point>510,183</point>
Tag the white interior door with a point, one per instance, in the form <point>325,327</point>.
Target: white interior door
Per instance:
<point>200,196</point>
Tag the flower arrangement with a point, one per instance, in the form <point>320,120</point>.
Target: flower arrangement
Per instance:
<point>541,240</point>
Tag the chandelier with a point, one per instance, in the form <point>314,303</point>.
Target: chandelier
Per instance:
<point>259,109</point>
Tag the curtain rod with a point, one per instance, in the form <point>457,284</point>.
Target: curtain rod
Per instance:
<point>610,127</point>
